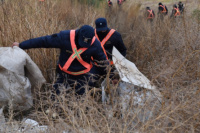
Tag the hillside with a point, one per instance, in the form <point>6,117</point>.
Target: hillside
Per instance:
<point>167,52</point>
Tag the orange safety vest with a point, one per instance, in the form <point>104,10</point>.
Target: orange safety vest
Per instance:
<point>151,15</point>
<point>76,55</point>
<point>103,42</point>
<point>109,3</point>
<point>120,2</point>
<point>177,12</point>
<point>164,9</point>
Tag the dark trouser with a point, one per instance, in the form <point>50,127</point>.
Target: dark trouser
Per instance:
<point>78,82</point>
<point>60,80</point>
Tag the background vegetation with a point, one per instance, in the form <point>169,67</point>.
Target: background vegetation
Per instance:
<point>167,52</point>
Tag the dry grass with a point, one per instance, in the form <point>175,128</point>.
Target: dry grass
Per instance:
<point>166,52</point>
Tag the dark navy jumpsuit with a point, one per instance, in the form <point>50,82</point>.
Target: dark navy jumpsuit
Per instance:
<point>62,41</point>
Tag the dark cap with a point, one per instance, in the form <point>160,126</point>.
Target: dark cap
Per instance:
<point>86,34</point>
<point>175,5</point>
<point>159,3</point>
<point>148,8</point>
<point>101,24</point>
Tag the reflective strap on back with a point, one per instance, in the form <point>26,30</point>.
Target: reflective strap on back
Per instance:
<point>76,55</point>
<point>177,12</point>
<point>150,13</point>
<point>103,42</point>
<point>164,9</point>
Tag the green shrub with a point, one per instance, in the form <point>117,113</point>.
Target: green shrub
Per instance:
<point>196,14</point>
<point>95,3</point>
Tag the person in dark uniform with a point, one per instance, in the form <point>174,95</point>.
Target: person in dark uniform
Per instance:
<point>149,14</point>
<point>110,3</point>
<point>75,63</point>
<point>175,12</point>
<point>162,11</point>
<point>109,38</point>
<point>119,2</point>
<point>180,7</point>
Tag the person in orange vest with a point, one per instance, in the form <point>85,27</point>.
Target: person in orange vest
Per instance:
<point>162,10</point>
<point>175,11</point>
<point>150,15</point>
<point>76,49</point>
<point>108,39</point>
<point>119,2</point>
<point>110,3</point>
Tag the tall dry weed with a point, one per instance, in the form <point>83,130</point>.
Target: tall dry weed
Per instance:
<point>167,52</point>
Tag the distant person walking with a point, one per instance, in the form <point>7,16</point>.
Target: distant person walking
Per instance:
<point>180,7</point>
<point>119,2</point>
<point>110,3</point>
<point>149,14</point>
<point>175,12</point>
<point>162,11</point>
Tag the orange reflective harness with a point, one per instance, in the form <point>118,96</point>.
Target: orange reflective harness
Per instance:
<point>151,15</point>
<point>109,3</point>
<point>164,9</point>
<point>120,2</point>
<point>76,55</point>
<point>103,42</point>
<point>177,12</point>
